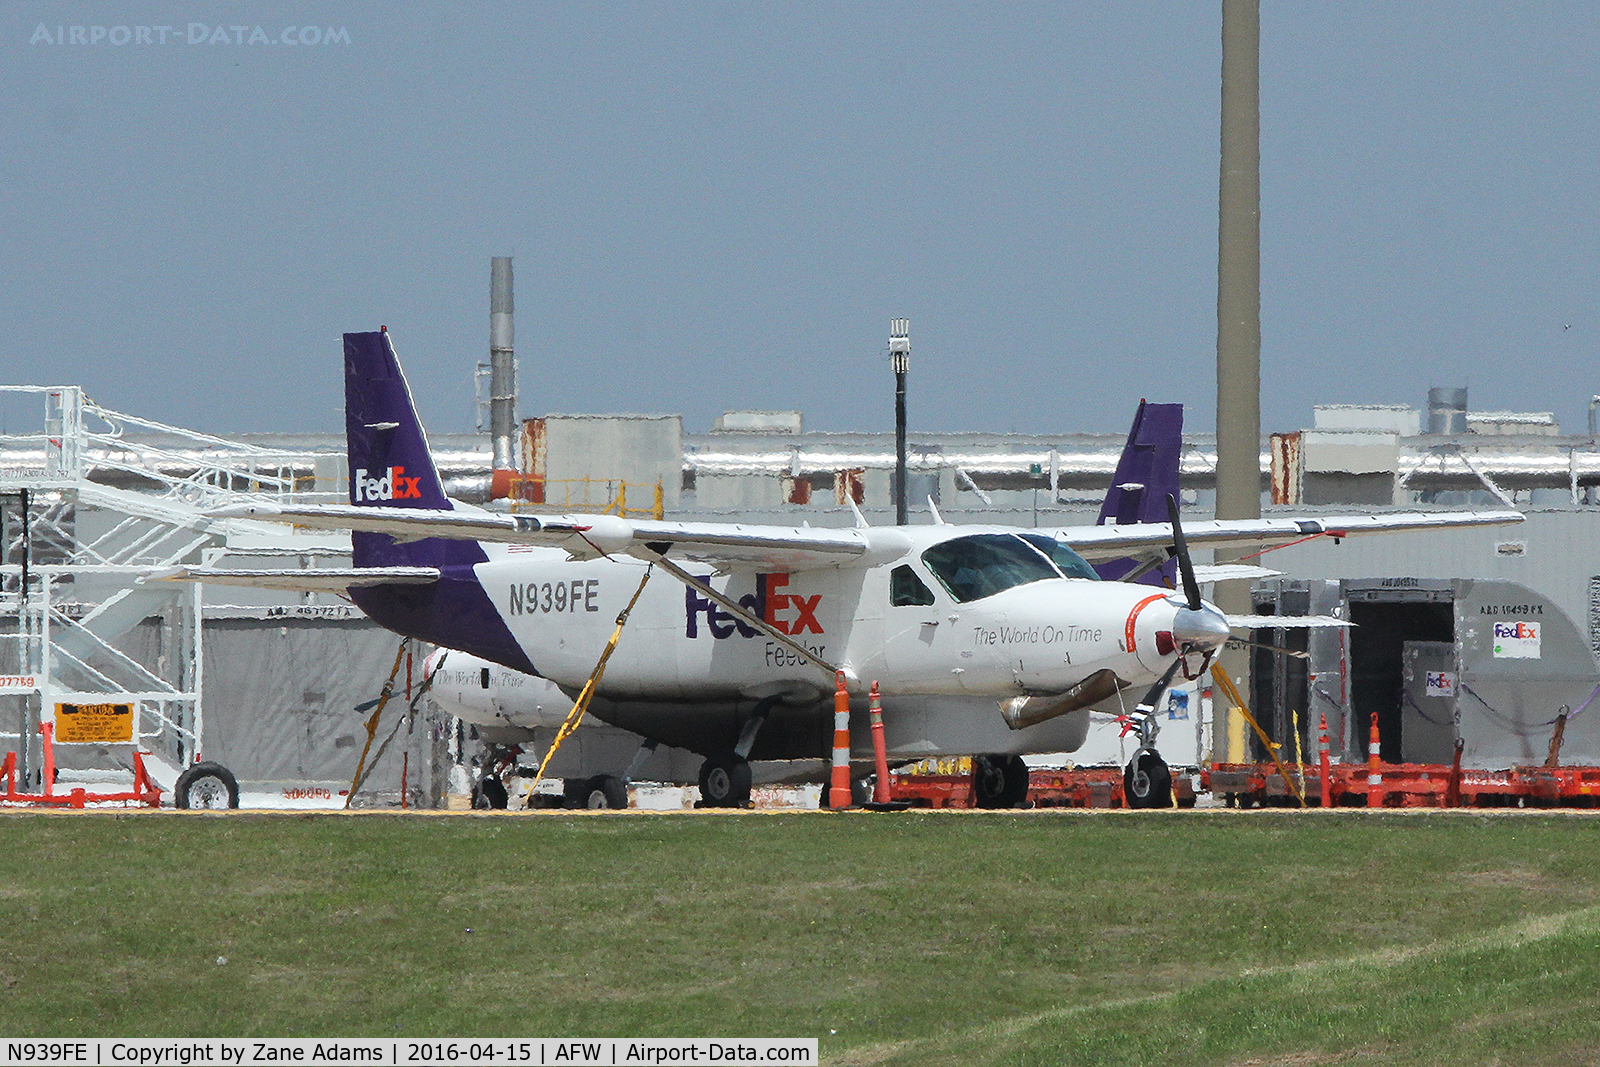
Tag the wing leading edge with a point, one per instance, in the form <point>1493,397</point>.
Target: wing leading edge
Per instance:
<point>590,536</point>
<point>1102,542</point>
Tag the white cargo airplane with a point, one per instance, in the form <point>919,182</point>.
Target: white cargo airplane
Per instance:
<point>985,640</point>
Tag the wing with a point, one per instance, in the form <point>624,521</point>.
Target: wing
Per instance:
<point>1108,542</point>
<point>722,545</point>
<point>299,580</point>
<point>1287,622</point>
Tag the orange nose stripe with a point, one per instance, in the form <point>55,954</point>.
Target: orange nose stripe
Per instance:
<point>1133,616</point>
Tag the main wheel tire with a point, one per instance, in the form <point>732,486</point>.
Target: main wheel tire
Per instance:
<point>206,785</point>
<point>604,791</point>
<point>724,782</point>
<point>1147,783</point>
<point>489,794</point>
<point>999,781</point>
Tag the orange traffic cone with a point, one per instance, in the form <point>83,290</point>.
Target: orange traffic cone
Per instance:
<point>839,790</point>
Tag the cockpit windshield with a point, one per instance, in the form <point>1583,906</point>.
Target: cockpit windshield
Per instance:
<point>981,565</point>
<point>1061,554</point>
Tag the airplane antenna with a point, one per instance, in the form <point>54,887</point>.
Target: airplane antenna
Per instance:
<point>861,520</point>
<point>938,519</point>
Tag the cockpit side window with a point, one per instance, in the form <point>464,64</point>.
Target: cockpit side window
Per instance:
<point>981,565</point>
<point>1061,554</point>
<point>906,589</point>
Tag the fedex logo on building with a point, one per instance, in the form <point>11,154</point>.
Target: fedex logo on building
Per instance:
<point>788,613</point>
<point>1516,640</point>
<point>394,485</point>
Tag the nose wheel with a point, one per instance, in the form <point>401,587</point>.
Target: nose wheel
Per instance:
<point>1147,782</point>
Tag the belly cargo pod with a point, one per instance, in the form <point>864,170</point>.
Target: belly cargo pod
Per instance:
<point>1488,661</point>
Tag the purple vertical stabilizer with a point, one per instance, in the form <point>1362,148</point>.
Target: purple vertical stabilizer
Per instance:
<point>1147,473</point>
<point>391,467</point>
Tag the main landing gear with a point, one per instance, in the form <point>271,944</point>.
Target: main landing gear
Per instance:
<point>999,781</point>
<point>725,777</point>
<point>594,794</point>
<point>725,782</point>
<point>489,791</point>
<point>499,764</point>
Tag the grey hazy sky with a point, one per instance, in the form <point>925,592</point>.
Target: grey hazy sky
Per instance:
<point>721,205</point>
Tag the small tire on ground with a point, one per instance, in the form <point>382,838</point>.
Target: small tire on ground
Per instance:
<point>724,782</point>
<point>206,785</point>
<point>999,781</point>
<point>1146,782</point>
<point>604,791</point>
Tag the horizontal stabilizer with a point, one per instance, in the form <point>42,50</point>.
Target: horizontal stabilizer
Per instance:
<point>1230,572</point>
<point>301,580</point>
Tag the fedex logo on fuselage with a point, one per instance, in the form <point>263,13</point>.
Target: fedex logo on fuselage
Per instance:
<point>394,485</point>
<point>788,613</point>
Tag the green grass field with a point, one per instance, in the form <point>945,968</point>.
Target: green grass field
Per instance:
<point>915,938</point>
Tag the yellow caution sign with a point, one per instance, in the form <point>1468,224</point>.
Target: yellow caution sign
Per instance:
<point>94,723</point>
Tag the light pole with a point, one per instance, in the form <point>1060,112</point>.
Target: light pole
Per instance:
<point>900,363</point>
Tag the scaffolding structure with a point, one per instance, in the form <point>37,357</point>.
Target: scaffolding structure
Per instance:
<point>90,512</point>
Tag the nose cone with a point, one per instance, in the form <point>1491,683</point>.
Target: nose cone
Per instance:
<point>1202,630</point>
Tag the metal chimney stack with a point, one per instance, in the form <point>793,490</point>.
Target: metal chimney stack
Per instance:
<point>1447,411</point>
<point>502,367</point>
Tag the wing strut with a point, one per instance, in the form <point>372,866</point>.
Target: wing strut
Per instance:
<point>581,705</point>
<point>733,607</point>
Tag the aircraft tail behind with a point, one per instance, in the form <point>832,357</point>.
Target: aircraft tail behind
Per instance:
<point>1146,473</point>
<point>390,465</point>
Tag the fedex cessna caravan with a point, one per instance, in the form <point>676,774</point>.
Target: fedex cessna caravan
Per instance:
<point>986,640</point>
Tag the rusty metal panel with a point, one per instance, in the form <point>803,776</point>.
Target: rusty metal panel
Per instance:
<point>797,490</point>
<point>535,448</point>
<point>1286,468</point>
<point>851,481</point>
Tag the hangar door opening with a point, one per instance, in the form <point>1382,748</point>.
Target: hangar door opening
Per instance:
<point>1397,635</point>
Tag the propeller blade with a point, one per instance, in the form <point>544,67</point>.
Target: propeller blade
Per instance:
<point>1150,698</point>
<point>1191,588</point>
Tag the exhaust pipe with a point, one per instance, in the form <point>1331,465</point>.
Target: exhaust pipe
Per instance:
<point>502,377</point>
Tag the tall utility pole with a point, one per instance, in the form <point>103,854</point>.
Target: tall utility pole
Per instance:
<point>900,362</point>
<point>1239,297</point>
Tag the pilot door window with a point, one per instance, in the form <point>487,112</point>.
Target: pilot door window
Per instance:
<point>906,589</point>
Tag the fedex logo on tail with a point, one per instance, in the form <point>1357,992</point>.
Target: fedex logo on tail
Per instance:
<point>393,485</point>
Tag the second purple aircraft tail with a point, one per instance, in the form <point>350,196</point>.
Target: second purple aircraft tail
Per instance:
<point>1146,474</point>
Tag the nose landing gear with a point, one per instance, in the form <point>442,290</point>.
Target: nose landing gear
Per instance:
<point>1146,782</point>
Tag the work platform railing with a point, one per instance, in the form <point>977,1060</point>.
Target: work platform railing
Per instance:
<point>602,496</point>
<point>165,462</point>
